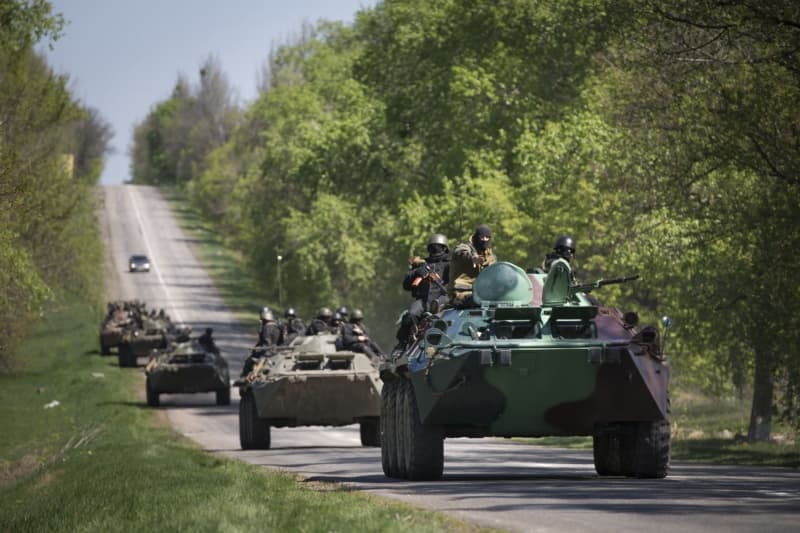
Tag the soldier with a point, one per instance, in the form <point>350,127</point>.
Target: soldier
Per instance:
<point>355,337</point>
<point>206,340</point>
<point>564,248</point>
<point>426,281</point>
<point>269,334</point>
<point>292,328</point>
<point>466,262</point>
<point>343,314</point>
<point>336,322</point>
<point>321,324</point>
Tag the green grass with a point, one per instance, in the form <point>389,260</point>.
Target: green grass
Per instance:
<point>102,461</point>
<point>240,291</point>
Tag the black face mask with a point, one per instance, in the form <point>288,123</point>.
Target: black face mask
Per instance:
<point>436,250</point>
<point>479,244</point>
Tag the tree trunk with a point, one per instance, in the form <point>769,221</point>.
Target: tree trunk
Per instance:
<point>763,391</point>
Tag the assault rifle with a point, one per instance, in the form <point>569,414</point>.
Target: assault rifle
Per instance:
<point>589,287</point>
<point>433,276</point>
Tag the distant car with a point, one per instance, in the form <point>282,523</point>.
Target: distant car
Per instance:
<point>139,263</point>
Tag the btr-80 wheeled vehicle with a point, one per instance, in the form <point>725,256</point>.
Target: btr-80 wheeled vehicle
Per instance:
<point>538,356</point>
<point>185,368</point>
<point>113,326</point>
<point>144,335</point>
<point>309,383</point>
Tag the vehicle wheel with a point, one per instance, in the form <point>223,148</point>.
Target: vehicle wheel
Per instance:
<point>254,433</point>
<point>125,356</point>
<point>152,394</point>
<point>370,432</point>
<point>422,446</point>
<point>104,348</point>
<point>388,426</point>
<point>607,453</point>
<point>651,448</point>
<point>223,396</point>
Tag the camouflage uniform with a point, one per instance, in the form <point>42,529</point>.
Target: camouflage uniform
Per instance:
<point>466,263</point>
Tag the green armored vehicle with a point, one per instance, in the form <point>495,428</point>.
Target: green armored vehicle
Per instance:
<point>113,326</point>
<point>187,367</point>
<point>538,357</point>
<point>145,334</point>
<point>309,383</point>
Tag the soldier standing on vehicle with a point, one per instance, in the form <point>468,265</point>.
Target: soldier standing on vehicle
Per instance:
<point>355,337</point>
<point>269,334</point>
<point>426,280</point>
<point>321,324</point>
<point>466,262</point>
<point>292,328</point>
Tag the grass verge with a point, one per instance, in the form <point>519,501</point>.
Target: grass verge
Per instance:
<point>100,460</point>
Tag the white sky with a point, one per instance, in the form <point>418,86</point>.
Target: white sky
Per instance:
<point>124,56</point>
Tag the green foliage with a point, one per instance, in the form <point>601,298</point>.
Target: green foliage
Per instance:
<point>51,153</point>
<point>24,22</point>
<point>662,135</point>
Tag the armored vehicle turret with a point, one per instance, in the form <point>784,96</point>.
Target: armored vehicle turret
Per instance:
<point>309,383</point>
<point>187,367</point>
<point>538,357</point>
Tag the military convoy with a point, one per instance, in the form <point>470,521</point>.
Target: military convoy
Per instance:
<point>187,367</point>
<point>538,357</point>
<point>309,383</point>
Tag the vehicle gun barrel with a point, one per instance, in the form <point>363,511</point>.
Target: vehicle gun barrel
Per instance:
<point>588,287</point>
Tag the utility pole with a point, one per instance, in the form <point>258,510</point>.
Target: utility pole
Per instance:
<point>280,289</point>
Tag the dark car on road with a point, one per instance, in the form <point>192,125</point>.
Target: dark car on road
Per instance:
<point>139,263</point>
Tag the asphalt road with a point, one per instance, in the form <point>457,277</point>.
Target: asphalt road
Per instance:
<point>486,481</point>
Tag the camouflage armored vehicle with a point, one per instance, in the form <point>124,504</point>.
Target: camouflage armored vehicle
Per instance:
<point>309,383</point>
<point>145,334</point>
<point>117,318</point>
<point>538,357</point>
<point>185,368</point>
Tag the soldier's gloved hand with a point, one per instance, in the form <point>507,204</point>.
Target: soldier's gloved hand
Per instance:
<point>478,260</point>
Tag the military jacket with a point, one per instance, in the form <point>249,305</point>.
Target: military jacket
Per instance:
<point>351,332</point>
<point>463,271</point>
<point>269,334</point>
<point>427,289</point>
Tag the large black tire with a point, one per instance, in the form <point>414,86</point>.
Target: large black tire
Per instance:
<point>370,432</point>
<point>388,425</point>
<point>126,356</point>
<point>223,396</point>
<point>422,446</point>
<point>651,449</point>
<point>254,433</point>
<point>606,448</point>
<point>104,348</point>
<point>152,394</point>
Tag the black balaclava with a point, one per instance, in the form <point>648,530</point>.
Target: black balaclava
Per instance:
<point>481,231</point>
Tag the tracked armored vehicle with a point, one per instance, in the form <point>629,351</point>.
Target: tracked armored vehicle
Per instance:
<point>538,357</point>
<point>185,368</point>
<point>309,383</point>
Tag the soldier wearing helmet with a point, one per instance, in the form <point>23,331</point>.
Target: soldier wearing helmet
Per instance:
<point>467,261</point>
<point>564,248</point>
<point>321,324</point>
<point>355,337</point>
<point>427,281</point>
<point>269,332</point>
<point>293,327</point>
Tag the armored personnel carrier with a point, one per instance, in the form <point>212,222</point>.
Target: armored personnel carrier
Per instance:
<point>309,383</point>
<point>145,334</point>
<point>185,368</point>
<point>117,318</point>
<point>538,357</point>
